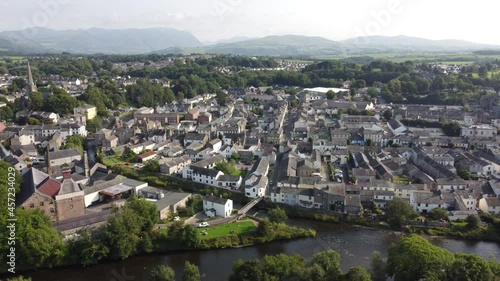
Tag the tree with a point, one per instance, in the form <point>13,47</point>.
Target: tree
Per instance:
<point>357,273</point>
<point>94,125</point>
<point>414,258</point>
<point>39,243</point>
<point>399,212</point>
<point>191,272</point>
<point>387,114</point>
<point>372,92</point>
<point>152,166</point>
<point>438,214</point>
<point>394,86</point>
<point>6,113</point>
<point>235,156</point>
<point>330,95</point>
<point>277,215</point>
<point>329,261</point>
<point>35,101</point>
<point>464,174</point>
<point>145,210</point>
<point>368,142</point>
<point>378,267</point>
<point>228,168</point>
<point>221,97</point>
<point>473,222</point>
<point>482,72</point>
<point>249,270</point>
<point>162,273</point>
<point>19,278</point>
<point>74,141</point>
<point>269,91</point>
<point>60,102</point>
<point>469,267</point>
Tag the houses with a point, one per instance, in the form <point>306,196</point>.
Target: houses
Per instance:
<point>171,118</point>
<point>174,165</point>
<point>166,202</point>
<point>195,139</point>
<point>89,111</point>
<point>426,201</point>
<point>478,131</point>
<point>147,156</point>
<point>60,157</point>
<point>396,127</point>
<point>229,182</point>
<point>201,175</point>
<point>217,206</point>
<point>490,205</point>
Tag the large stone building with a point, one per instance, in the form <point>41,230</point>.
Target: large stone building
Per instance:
<point>58,200</point>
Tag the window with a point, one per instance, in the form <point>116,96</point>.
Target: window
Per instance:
<point>32,205</point>
<point>52,210</point>
<point>41,204</point>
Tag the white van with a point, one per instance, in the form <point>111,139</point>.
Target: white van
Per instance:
<point>316,175</point>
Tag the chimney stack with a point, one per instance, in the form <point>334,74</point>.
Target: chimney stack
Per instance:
<point>86,168</point>
<point>66,174</point>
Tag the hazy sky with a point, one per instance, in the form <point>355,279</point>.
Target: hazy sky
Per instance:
<point>211,20</point>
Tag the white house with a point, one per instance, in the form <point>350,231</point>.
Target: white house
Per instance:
<point>230,182</point>
<point>449,185</point>
<point>381,197</point>
<point>255,186</point>
<point>396,127</point>
<point>426,201</point>
<point>490,205</point>
<point>201,175</point>
<point>217,206</point>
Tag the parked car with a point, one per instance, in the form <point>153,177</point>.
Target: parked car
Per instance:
<point>177,218</point>
<point>271,182</point>
<point>203,224</point>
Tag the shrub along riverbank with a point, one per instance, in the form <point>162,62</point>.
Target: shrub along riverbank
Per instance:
<point>131,231</point>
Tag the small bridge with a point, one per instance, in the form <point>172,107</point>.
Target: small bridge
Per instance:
<point>249,206</point>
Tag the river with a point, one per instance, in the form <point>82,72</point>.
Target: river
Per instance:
<point>355,246</point>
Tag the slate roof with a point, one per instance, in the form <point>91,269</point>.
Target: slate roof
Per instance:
<point>215,199</point>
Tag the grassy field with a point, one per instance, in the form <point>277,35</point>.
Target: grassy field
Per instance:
<point>14,58</point>
<point>427,57</point>
<point>240,227</point>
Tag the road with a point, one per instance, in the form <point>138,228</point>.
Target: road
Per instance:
<point>289,122</point>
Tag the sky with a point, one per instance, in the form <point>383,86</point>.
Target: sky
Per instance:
<point>212,20</point>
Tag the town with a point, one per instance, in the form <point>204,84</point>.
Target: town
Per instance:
<point>345,148</point>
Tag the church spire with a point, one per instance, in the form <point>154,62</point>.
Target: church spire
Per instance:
<point>31,84</point>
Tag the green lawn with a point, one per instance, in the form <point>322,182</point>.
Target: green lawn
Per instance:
<point>401,179</point>
<point>240,227</point>
<point>111,161</point>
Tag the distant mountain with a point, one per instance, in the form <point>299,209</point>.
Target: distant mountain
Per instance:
<point>406,43</point>
<point>96,40</point>
<point>173,41</point>
<point>285,45</point>
<point>227,41</point>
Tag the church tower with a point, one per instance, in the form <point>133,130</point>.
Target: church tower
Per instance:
<point>31,84</point>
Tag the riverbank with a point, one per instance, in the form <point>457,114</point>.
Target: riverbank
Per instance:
<point>354,244</point>
<point>163,242</point>
<point>488,233</point>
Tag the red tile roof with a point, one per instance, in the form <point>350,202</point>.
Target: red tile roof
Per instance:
<point>50,188</point>
<point>147,154</point>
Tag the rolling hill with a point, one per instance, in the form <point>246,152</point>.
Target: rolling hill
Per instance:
<point>96,40</point>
